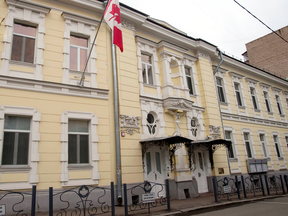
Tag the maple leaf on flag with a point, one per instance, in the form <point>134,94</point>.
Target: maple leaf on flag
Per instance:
<point>116,13</point>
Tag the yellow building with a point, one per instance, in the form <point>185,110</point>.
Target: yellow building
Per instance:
<point>55,133</point>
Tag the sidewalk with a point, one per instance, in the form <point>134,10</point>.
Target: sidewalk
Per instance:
<point>204,201</point>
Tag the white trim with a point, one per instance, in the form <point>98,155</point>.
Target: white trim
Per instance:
<point>251,142</point>
<point>78,25</point>
<point>52,88</point>
<point>268,151</point>
<point>221,73</point>
<point>235,149</point>
<point>33,14</point>
<point>282,156</point>
<point>253,84</point>
<point>277,92</point>
<point>33,158</point>
<point>93,152</point>
<point>265,88</point>
<point>148,47</point>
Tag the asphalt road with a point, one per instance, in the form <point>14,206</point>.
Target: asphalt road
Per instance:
<point>267,207</point>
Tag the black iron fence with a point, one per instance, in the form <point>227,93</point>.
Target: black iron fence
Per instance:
<point>18,203</point>
<point>252,185</point>
<point>146,195</point>
<point>83,200</point>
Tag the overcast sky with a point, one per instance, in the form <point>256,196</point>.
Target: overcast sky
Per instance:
<point>220,22</point>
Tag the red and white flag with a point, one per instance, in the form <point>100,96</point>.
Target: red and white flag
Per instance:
<point>113,19</point>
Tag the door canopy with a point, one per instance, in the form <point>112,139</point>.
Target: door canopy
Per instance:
<point>210,145</point>
<point>173,143</point>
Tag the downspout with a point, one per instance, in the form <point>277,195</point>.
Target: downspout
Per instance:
<point>214,72</point>
<point>117,130</point>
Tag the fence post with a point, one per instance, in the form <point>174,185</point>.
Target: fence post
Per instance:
<point>125,199</point>
<point>50,201</point>
<point>286,182</point>
<point>112,199</point>
<point>282,184</point>
<point>238,191</point>
<point>33,202</point>
<point>267,186</point>
<point>243,184</point>
<point>215,189</point>
<point>262,186</point>
<point>168,194</point>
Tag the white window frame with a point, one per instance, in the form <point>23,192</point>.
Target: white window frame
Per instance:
<point>235,149</point>
<point>150,48</point>
<point>281,158</point>
<point>286,140</point>
<point>278,99</point>
<point>28,13</point>
<point>192,80</point>
<point>79,52</point>
<point>267,145</point>
<point>251,143</point>
<point>222,87</point>
<point>263,144</point>
<point>231,139</point>
<point>82,27</point>
<point>33,157</point>
<point>145,65</point>
<point>254,96</point>
<point>93,153</point>
<point>238,92</point>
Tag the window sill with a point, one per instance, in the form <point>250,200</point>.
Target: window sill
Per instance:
<point>149,85</point>
<point>281,115</point>
<point>224,103</point>
<point>257,110</point>
<point>270,113</point>
<point>78,72</point>
<point>15,168</point>
<point>79,167</point>
<point>281,158</point>
<point>241,107</point>
<point>233,160</point>
<point>12,62</point>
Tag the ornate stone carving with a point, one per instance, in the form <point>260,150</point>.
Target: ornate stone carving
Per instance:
<point>181,104</point>
<point>203,55</point>
<point>130,124</point>
<point>128,25</point>
<point>215,131</point>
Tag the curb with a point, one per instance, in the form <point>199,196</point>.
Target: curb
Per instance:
<point>218,205</point>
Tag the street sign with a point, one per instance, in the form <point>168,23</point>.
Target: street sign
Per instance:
<point>148,197</point>
<point>227,189</point>
<point>2,210</point>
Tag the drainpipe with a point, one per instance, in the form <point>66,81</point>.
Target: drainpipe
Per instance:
<point>117,130</point>
<point>214,72</point>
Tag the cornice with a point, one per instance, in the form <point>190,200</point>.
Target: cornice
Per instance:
<point>146,41</point>
<point>252,70</point>
<point>276,89</point>
<point>248,79</point>
<point>253,120</point>
<point>82,19</point>
<point>128,25</point>
<point>52,88</point>
<point>165,44</point>
<point>240,76</point>
<point>190,57</point>
<point>222,70</point>
<point>264,85</point>
<point>29,5</point>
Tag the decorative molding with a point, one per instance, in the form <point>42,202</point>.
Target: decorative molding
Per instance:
<point>215,131</point>
<point>264,86</point>
<point>177,116</point>
<point>254,81</point>
<point>236,77</point>
<point>130,124</point>
<point>165,44</point>
<point>128,25</point>
<point>81,19</point>
<point>201,54</point>
<point>276,90</point>
<point>177,104</point>
<point>253,120</point>
<point>52,88</point>
<point>28,5</point>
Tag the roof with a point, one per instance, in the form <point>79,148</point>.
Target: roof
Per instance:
<point>168,140</point>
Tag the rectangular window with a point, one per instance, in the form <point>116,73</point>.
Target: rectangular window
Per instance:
<point>277,147</point>
<point>247,145</point>
<point>287,102</point>
<point>219,83</point>
<point>263,144</point>
<point>78,142</point>
<point>238,94</point>
<point>286,138</point>
<point>16,140</point>
<point>189,80</point>
<point>254,98</point>
<point>147,72</point>
<point>230,149</point>
<point>78,53</point>
<point>278,104</point>
<point>266,99</point>
<point>23,45</point>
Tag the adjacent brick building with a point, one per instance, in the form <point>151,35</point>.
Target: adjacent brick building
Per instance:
<point>270,53</point>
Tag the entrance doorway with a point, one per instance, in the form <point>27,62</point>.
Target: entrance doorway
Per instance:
<point>200,171</point>
<point>154,159</point>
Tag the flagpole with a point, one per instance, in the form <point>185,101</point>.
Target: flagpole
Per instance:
<point>81,83</point>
